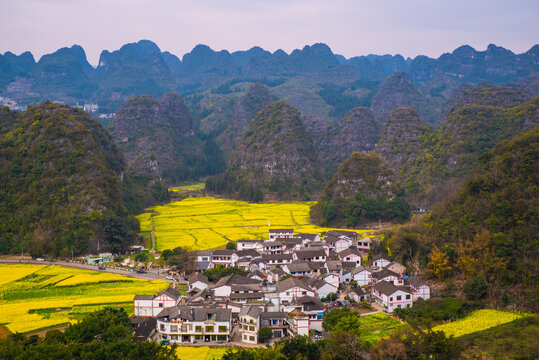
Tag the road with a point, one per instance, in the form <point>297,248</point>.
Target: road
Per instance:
<point>150,275</point>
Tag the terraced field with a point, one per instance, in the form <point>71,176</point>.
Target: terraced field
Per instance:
<point>378,326</point>
<point>202,223</point>
<point>34,297</point>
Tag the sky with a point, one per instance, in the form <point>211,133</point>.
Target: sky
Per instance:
<point>349,27</point>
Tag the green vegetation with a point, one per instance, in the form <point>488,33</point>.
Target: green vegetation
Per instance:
<point>274,160</point>
<point>60,184</point>
<point>488,229</point>
<point>220,271</point>
<point>104,334</point>
<point>362,190</point>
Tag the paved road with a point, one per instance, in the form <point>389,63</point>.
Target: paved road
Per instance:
<point>150,275</point>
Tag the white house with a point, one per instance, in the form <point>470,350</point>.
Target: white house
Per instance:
<point>362,275</point>
<point>418,287</point>
<point>387,275</point>
<point>292,288</point>
<point>198,281</point>
<point>182,324</point>
<point>276,233</point>
<point>299,268</point>
<point>277,259</point>
<point>312,307</point>
<point>223,288</point>
<point>364,245</point>
<point>392,297</point>
<point>333,279</point>
<point>249,245</point>
<point>381,261</point>
<point>358,295</point>
<point>249,324</point>
<point>350,254</point>
<point>311,254</point>
<point>322,288</point>
<point>149,305</point>
<point>273,247</point>
<point>225,257</point>
<point>299,323</point>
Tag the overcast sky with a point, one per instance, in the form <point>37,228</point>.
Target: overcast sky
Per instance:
<point>349,27</point>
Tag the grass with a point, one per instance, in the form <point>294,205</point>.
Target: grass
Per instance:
<point>206,223</point>
<point>44,296</point>
<point>378,326</point>
<point>200,353</point>
<point>479,320</point>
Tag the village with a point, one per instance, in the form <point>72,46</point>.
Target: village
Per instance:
<point>292,281</point>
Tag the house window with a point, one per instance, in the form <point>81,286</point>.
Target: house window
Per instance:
<point>173,337</point>
<point>173,328</point>
<point>222,329</point>
<point>251,328</point>
<point>209,329</point>
<point>304,293</point>
<point>391,299</point>
<point>407,297</point>
<point>198,329</point>
<point>162,327</point>
<point>251,338</point>
<point>399,297</point>
<point>287,293</point>
<point>184,328</point>
<point>160,304</point>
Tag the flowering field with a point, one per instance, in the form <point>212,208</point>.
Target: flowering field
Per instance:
<point>41,296</point>
<point>207,223</point>
<point>478,321</point>
<point>200,353</point>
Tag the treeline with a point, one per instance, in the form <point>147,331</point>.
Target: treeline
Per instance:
<point>104,334</point>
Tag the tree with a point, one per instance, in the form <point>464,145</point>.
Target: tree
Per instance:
<point>342,345</point>
<point>143,257</point>
<point>264,334</point>
<point>475,288</point>
<point>230,245</point>
<point>332,318</point>
<point>438,264</point>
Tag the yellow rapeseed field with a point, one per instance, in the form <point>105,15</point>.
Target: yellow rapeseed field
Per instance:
<point>200,353</point>
<point>42,296</point>
<point>478,321</point>
<point>202,223</point>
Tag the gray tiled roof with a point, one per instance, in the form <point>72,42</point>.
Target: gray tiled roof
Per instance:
<point>388,288</point>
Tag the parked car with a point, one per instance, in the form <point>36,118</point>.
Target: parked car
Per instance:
<point>141,271</point>
<point>170,277</point>
<point>102,268</point>
<point>40,259</point>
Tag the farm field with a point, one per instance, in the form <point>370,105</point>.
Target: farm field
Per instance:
<point>42,296</point>
<point>378,326</point>
<point>206,223</point>
<point>200,353</point>
<point>186,188</point>
<point>479,320</point>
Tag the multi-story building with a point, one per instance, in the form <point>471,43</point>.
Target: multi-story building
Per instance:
<point>391,296</point>
<point>151,305</point>
<point>249,323</point>
<point>181,324</point>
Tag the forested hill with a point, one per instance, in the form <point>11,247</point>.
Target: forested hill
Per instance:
<point>274,160</point>
<point>488,232</point>
<point>62,184</point>
<point>363,190</point>
<point>158,139</point>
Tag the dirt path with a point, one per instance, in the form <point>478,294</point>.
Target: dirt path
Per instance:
<point>3,332</point>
